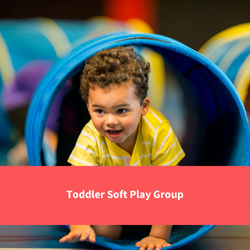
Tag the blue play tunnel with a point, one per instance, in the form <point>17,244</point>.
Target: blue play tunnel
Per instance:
<point>215,125</point>
<point>215,128</point>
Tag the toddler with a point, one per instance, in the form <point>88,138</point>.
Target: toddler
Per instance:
<point>123,130</point>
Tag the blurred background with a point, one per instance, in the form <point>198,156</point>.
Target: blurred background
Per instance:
<point>190,22</point>
<point>33,34</point>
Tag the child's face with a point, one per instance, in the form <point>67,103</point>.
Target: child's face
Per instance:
<point>115,112</point>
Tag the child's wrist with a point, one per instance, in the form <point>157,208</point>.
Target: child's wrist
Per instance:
<point>161,232</point>
<point>157,236</point>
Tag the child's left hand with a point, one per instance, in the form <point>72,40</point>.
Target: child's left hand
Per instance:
<point>151,242</point>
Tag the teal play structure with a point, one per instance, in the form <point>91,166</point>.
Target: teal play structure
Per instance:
<point>25,40</point>
<point>230,51</point>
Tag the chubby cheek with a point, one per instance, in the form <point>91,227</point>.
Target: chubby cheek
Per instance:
<point>98,125</point>
<point>130,125</point>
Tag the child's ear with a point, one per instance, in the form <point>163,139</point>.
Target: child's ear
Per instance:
<point>145,106</point>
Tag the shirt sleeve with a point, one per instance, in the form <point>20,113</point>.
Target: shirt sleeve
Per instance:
<point>85,152</point>
<point>166,150</point>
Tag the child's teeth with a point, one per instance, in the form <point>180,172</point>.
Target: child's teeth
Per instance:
<point>114,131</point>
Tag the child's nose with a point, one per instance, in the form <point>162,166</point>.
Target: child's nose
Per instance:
<point>111,120</point>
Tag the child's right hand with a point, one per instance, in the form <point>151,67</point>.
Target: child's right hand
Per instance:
<point>79,233</point>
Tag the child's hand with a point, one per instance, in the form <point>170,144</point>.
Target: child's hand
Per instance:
<point>79,233</point>
<point>151,242</point>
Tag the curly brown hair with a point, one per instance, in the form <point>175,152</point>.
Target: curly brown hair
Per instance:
<point>113,66</point>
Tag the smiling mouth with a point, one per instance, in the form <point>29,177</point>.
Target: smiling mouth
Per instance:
<point>114,133</point>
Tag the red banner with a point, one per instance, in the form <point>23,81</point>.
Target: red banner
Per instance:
<point>125,195</point>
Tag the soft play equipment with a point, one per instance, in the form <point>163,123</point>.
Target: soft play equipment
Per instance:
<point>25,40</point>
<point>215,118</point>
<point>216,127</point>
<point>230,50</point>
<point>22,41</point>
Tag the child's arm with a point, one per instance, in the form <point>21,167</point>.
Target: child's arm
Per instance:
<point>158,238</point>
<point>79,233</point>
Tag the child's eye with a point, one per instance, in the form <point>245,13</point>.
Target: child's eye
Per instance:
<point>121,111</point>
<point>100,111</point>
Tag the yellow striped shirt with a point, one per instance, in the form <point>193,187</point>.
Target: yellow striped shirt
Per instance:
<point>156,145</point>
